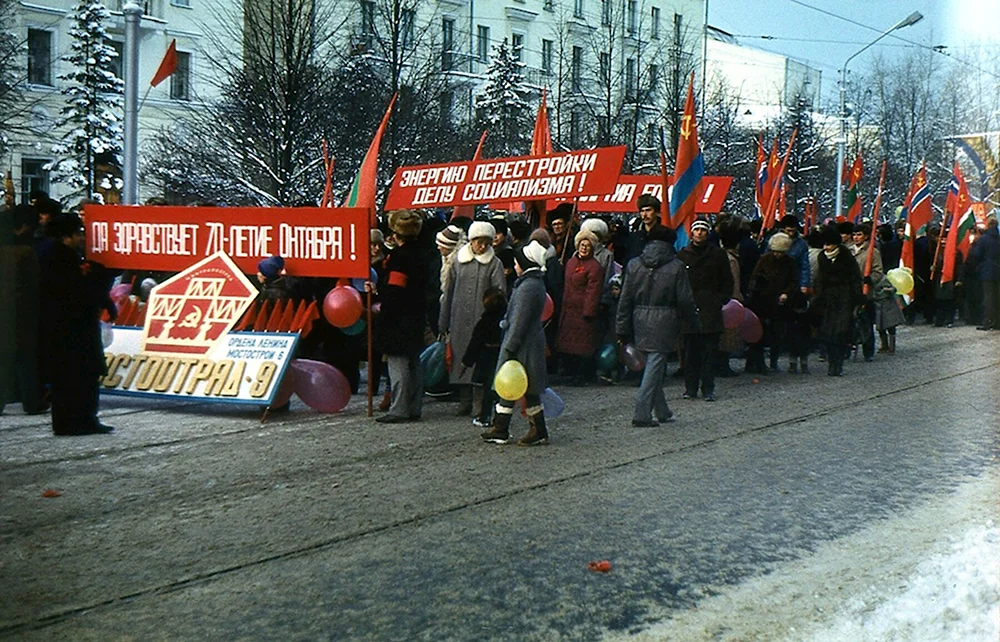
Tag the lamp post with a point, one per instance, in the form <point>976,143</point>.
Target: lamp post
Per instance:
<point>130,185</point>
<point>909,20</point>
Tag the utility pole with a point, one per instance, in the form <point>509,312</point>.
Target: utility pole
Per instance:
<point>130,152</point>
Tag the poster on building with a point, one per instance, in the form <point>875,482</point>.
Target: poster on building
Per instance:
<point>314,241</point>
<point>712,194</point>
<point>521,178</point>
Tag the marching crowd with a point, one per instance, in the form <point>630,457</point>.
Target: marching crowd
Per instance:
<point>567,300</point>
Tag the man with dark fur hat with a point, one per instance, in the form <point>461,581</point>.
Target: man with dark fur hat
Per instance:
<point>401,322</point>
<point>560,223</point>
<point>73,294</point>
<point>649,218</point>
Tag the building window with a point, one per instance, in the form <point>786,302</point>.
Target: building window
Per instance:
<point>34,177</point>
<point>517,46</point>
<point>632,16</point>
<point>180,80</point>
<point>181,3</point>
<point>630,78</point>
<point>576,70</point>
<point>578,8</point>
<point>447,42</point>
<point>547,46</point>
<point>446,103</point>
<point>406,22</point>
<point>605,68</point>
<point>654,78</point>
<point>575,129</point>
<point>39,57</point>
<point>483,43</point>
<point>606,12</point>
<point>117,62</point>
<point>367,18</point>
<point>655,26</point>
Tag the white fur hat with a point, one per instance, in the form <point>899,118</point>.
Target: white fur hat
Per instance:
<point>780,242</point>
<point>598,227</point>
<point>481,229</point>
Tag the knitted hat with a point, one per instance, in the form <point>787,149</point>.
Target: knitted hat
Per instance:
<point>701,223</point>
<point>780,242</point>
<point>647,200</point>
<point>448,237</point>
<point>598,227</point>
<point>585,235</point>
<point>542,236</point>
<point>271,267</point>
<point>482,229</point>
<point>405,223</point>
<point>530,256</point>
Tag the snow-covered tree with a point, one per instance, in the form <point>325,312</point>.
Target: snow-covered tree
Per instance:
<point>10,49</point>
<point>502,107</point>
<point>88,157</point>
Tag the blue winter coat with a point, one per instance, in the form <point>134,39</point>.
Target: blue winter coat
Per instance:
<point>987,253</point>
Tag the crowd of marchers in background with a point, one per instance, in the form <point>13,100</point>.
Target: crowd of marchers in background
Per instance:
<point>566,298</point>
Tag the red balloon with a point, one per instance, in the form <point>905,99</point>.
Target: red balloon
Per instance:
<point>751,330</point>
<point>321,386</point>
<point>549,309</point>
<point>285,389</point>
<point>342,306</point>
<point>732,314</point>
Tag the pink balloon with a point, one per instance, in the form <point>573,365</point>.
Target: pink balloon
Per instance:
<point>549,309</point>
<point>321,386</point>
<point>751,330</point>
<point>285,389</point>
<point>634,358</point>
<point>732,314</point>
<point>342,306</point>
<point>120,292</point>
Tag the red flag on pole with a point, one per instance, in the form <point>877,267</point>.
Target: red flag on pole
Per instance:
<point>541,138</point>
<point>167,66</point>
<point>853,199</point>
<point>962,222</point>
<point>772,203</point>
<point>363,188</point>
<point>689,167</point>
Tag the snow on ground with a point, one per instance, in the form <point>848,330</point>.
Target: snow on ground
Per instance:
<point>931,574</point>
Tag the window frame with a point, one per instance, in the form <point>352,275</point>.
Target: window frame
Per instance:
<point>180,80</point>
<point>49,64</point>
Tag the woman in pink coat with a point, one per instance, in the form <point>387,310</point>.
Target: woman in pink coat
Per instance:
<point>578,320</point>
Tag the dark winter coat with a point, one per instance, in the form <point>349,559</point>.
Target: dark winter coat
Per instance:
<point>636,241</point>
<point>776,273</point>
<point>656,298</point>
<point>711,283</point>
<point>838,293</point>
<point>401,321</point>
<point>887,312</point>
<point>483,350</point>
<point>578,322</point>
<point>987,250</point>
<point>523,337</point>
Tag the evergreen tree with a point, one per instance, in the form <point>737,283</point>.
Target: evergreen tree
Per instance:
<point>502,108</point>
<point>10,71</point>
<point>89,156</point>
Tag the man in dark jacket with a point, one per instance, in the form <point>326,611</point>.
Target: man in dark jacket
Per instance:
<point>712,284</point>
<point>987,250</point>
<point>649,219</point>
<point>656,296</point>
<point>401,323</point>
<point>73,294</point>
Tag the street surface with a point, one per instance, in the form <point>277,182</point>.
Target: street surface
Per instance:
<point>795,508</point>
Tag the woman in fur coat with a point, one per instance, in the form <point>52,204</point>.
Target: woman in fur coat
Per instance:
<point>578,322</point>
<point>838,295</point>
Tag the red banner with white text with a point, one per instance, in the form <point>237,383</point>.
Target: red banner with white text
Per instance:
<point>522,178</point>
<point>331,242</point>
<point>711,194</point>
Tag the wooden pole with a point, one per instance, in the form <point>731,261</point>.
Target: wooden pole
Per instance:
<point>871,237</point>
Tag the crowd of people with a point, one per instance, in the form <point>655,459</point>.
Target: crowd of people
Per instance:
<point>564,299</point>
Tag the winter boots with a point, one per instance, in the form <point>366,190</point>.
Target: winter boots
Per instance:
<point>537,434</point>
<point>892,344</point>
<point>464,401</point>
<point>500,432</point>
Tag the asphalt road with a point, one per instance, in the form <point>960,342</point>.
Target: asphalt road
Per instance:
<point>196,522</point>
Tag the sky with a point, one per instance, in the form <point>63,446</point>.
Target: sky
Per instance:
<point>816,32</point>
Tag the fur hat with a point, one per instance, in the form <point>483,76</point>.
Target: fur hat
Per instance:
<point>65,225</point>
<point>662,233</point>
<point>376,236</point>
<point>780,242</point>
<point>146,287</point>
<point>530,256</point>
<point>542,236</point>
<point>482,229</point>
<point>564,211</point>
<point>499,224</point>
<point>271,267</point>
<point>405,223</point>
<point>448,237</point>
<point>598,227</point>
<point>789,220</point>
<point>831,236</point>
<point>647,200</point>
<point>845,227</point>
<point>585,235</point>
<point>701,223</point>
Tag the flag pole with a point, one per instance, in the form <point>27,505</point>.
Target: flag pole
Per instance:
<point>871,237</point>
<point>772,200</point>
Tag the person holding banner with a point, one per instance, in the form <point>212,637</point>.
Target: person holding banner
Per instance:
<point>401,322</point>
<point>524,341</point>
<point>476,269</point>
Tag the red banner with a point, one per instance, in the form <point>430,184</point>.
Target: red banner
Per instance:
<point>330,242</point>
<point>711,195</point>
<point>521,178</point>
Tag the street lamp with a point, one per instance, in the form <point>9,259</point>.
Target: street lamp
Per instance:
<point>909,20</point>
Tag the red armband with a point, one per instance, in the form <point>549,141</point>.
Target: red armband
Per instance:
<point>398,279</point>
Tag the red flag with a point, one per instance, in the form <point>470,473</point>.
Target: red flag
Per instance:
<point>918,212</point>
<point>167,66</point>
<point>689,167</point>
<point>541,138</point>
<point>772,202</point>
<point>274,321</point>
<point>287,317</point>
<point>470,210</point>
<point>853,199</point>
<point>246,321</point>
<point>761,184</point>
<point>770,178</point>
<point>363,188</point>
<point>962,222</point>
<point>260,322</point>
<point>782,205</point>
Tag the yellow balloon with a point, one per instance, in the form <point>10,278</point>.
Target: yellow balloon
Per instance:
<point>901,280</point>
<point>511,381</point>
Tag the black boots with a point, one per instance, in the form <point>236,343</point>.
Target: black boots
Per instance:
<point>464,401</point>
<point>537,434</point>
<point>500,432</point>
